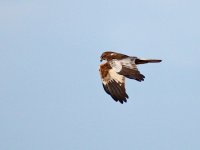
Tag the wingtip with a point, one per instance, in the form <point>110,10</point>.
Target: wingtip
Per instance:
<point>123,101</point>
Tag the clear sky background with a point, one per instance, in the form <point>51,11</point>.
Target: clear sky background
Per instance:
<point>51,97</point>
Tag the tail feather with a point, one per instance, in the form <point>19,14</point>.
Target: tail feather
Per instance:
<point>144,61</point>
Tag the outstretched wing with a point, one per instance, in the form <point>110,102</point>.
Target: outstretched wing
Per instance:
<point>113,83</point>
<point>127,68</point>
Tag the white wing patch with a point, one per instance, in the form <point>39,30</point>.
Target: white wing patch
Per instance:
<point>118,78</point>
<point>128,62</point>
<point>117,65</point>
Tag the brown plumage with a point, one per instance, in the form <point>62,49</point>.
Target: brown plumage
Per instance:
<point>116,68</point>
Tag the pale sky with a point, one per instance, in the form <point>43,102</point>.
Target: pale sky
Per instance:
<point>51,96</point>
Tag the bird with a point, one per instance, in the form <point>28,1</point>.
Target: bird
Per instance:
<point>116,68</point>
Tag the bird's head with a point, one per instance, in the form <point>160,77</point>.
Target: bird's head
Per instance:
<point>107,56</point>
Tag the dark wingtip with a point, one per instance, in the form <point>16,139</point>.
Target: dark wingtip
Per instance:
<point>123,101</point>
<point>126,96</point>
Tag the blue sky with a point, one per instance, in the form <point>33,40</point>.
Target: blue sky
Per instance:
<point>51,94</point>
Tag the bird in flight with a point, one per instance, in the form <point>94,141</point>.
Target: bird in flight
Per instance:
<point>116,68</point>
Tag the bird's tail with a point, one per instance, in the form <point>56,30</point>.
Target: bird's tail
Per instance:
<point>144,61</point>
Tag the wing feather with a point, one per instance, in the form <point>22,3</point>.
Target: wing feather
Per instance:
<point>113,83</point>
<point>127,68</point>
